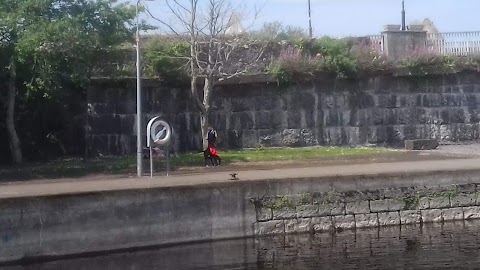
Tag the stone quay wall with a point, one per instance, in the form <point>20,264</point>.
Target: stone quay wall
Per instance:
<point>333,211</point>
<point>384,110</point>
<point>120,220</point>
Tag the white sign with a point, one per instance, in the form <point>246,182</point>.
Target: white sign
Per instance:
<point>158,132</point>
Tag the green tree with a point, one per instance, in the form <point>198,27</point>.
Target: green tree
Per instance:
<point>168,60</point>
<point>45,43</point>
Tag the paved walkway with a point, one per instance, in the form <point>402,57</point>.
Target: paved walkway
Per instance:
<point>72,186</point>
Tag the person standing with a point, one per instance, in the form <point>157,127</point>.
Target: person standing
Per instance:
<point>212,137</point>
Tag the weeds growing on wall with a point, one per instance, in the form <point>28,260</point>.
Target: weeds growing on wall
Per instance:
<point>352,58</point>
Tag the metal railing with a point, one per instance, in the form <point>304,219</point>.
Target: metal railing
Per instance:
<point>376,42</point>
<point>454,43</point>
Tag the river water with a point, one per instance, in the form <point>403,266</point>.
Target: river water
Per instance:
<point>447,246</point>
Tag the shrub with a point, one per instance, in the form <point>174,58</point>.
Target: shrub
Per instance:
<point>370,60</point>
<point>470,62</point>
<point>291,65</point>
<point>336,54</point>
<point>422,60</point>
<point>167,61</point>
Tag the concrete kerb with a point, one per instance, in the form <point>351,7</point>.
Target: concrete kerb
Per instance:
<point>341,183</point>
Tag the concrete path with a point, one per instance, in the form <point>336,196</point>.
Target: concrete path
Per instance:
<point>73,186</point>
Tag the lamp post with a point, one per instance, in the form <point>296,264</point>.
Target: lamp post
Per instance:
<point>310,32</point>
<point>139,98</point>
<point>404,27</point>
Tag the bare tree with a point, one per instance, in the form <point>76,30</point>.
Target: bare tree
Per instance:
<point>219,47</point>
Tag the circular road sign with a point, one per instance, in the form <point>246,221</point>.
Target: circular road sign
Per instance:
<point>159,130</point>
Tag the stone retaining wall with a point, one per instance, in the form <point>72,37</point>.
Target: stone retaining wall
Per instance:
<point>377,110</point>
<point>321,212</point>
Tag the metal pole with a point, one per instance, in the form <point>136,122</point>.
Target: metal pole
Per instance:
<point>404,27</point>
<point>139,103</point>
<point>168,158</point>
<point>151,162</point>
<point>310,31</point>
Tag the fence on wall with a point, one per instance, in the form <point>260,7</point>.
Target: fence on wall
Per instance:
<point>455,43</point>
<point>450,43</point>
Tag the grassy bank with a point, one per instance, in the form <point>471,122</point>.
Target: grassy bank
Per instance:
<point>276,154</point>
<point>127,165</point>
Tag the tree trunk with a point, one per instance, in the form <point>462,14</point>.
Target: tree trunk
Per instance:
<point>204,118</point>
<point>14,141</point>
<point>204,126</point>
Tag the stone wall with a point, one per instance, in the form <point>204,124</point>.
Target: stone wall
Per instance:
<point>379,110</point>
<point>145,215</point>
<point>331,211</point>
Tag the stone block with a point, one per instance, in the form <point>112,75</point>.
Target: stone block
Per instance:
<point>387,205</point>
<point>270,227</point>
<point>354,196</point>
<point>358,207</point>
<point>301,225</point>
<point>263,120</point>
<point>219,121</point>
<point>423,203</point>
<point>294,119</point>
<point>452,214</point>
<point>344,222</point>
<point>243,120</point>
<point>264,214</point>
<point>432,215</point>
<point>307,211</point>
<point>439,202</point>
<point>242,105</point>
<point>284,213</point>
<point>310,118</point>
<point>324,209</point>
<point>249,139</point>
<point>389,218</point>
<point>333,136</point>
<point>466,188</point>
<point>366,220</point>
<point>322,224</point>
<point>267,103</point>
<point>333,118</point>
<point>277,119</point>
<point>410,217</point>
<point>471,212</point>
<point>421,144</point>
<point>466,199</point>
<point>392,193</point>
<point>334,209</point>
<point>337,208</point>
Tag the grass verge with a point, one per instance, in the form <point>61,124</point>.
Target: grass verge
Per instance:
<point>74,167</point>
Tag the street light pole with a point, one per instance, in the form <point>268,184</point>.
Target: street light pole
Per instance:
<point>140,138</point>
<point>310,31</point>
<point>404,27</point>
<point>139,101</point>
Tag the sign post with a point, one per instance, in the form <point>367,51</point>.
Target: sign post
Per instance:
<point>158,133</point>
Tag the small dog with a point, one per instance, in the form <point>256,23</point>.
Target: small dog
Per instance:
<point>215,160</point>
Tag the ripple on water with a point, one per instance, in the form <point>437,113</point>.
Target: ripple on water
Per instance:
<point>448,246</point>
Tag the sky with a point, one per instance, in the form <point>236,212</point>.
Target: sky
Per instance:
<point>362,17</point>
